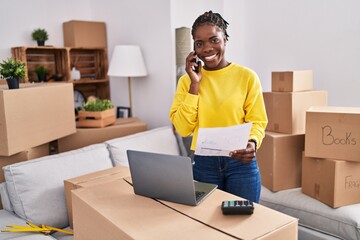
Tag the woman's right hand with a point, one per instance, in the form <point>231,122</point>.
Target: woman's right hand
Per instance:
<point>194,76</point>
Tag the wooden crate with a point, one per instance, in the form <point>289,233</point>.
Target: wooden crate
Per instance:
<point>91,62</point>
<point>98,89</point>
<point>53,59</point>
<point>96,119</point>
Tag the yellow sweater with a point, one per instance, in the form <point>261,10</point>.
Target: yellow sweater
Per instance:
<point>227,97</point>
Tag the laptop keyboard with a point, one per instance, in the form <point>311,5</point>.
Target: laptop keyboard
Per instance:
<point>199,195</point>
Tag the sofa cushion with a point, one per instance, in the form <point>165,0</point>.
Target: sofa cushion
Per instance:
<point>343,222</point>
<point>5,197</point>
<point>36,187</point>
<point>159,140</point>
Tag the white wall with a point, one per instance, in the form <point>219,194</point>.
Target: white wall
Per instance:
<point>184,12</point>
<point>147,24</point>
<point>322,35</point>
<point>19,18</point>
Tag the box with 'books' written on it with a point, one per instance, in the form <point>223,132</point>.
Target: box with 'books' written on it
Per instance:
<point>333,132</point>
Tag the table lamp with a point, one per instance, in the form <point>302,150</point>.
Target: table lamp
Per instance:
<point>127,61</point>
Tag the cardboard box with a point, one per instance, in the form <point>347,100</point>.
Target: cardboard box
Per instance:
<point>333,182</point>
<point>286,111</point>
<point>333,132</point>
<point>87,136</point>
<point>279,159</point>
<point>91,179</point>
<point>32,153</point>
<point>84,34</point>
<point>274,225</point>
<point>124,215</point>
<point>112,211</point>
<point>292,81</point>
<point>35,114</point>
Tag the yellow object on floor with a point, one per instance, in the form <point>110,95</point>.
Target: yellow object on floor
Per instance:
<point>35,228</point>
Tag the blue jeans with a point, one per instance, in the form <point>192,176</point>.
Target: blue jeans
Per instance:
<point>231,175</point>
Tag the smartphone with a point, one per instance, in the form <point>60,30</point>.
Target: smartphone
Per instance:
<point>196,60</point>
<point>195,68</point>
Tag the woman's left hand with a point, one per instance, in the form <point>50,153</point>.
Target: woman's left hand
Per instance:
<point>244,155</point>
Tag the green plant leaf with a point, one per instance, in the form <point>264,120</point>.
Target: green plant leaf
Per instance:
<point>98,105</point>
<point>11,68</point>
<point>40,34</point>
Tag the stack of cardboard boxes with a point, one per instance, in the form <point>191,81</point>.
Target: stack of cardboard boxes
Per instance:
<point>331,164</point>
<point>309,144</point>
<point>280,154</point>
<point>31,118</point>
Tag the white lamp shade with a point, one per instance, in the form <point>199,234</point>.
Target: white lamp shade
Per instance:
<point>127,61</point>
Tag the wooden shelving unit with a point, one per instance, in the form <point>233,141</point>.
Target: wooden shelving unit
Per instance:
<point>91,62</point>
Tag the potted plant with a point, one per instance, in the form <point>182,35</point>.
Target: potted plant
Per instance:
<point>97,105</point>
<point>41,72</point>
<point>40,35</point>
<point>97,113</point>
<point>12,70</point>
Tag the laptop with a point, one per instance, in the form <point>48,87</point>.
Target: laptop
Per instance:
<point>166,177</point>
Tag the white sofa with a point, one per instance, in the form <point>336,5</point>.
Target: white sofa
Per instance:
<point>34,190</point>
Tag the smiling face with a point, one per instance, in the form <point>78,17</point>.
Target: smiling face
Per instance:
<point>210,42</point>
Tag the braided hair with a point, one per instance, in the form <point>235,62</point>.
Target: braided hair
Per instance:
<point>213,19</point>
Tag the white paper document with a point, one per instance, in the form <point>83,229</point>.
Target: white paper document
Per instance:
<point>220,141</point>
